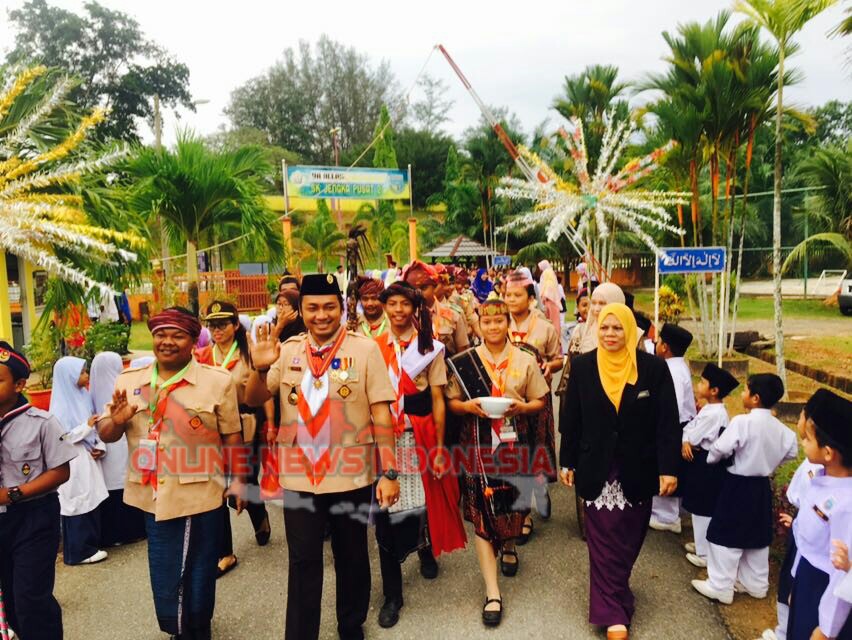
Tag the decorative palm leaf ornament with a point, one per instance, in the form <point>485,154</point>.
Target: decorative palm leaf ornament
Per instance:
<point>41,219</point>
<point>604,198</point>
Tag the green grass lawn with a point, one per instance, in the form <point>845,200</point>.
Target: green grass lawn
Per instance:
<point>756,308</point>
<point>140,337</point>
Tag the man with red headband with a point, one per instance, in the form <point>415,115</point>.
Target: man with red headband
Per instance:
<point>447,325</point>
<point>33,464</point>
<point>416,367</point>
<point>183,430</point>
<point>372,322</point>
<point>335,395</point>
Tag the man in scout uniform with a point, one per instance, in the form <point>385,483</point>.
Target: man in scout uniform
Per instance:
<point>372,323</point>
<point>459,294</point>
<point>335,395</point>
<point>183,432</point>
<point>33,463</point>
<point>447,324</point>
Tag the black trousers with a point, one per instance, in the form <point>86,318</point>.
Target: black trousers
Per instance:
<point>256,506</point>
<point>29,540</point>
<point>305,519</point>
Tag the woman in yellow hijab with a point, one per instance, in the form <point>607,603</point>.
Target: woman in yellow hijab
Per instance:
<point>621,434</point>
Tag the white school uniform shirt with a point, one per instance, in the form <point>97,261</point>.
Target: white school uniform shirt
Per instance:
<point>800,481</point>
<point>759,443</point>
<point>703,430</point>
<point>825,515</point>
<point>682,378</point>
<point>649,346</point>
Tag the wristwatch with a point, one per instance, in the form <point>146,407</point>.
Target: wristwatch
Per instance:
<point>15,495</point>
<point>391,474</point>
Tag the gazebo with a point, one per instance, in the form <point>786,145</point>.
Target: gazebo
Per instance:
<point>460,247</point>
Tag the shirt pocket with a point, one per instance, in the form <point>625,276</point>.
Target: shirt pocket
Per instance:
<point>26,462</point>
<point>193,478</point>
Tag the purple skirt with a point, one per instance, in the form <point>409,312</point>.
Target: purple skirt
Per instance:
<point>614,538</point>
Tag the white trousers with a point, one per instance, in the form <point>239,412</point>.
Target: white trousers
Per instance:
<point>699,530</point>
<point>783,616</point>
<point>726,566</point>
<point>665,509</point>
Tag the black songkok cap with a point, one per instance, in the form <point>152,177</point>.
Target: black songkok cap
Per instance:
<point>832,415</point>
<point>719,378</point>
<point>676,337</point>
<point>319,284</point>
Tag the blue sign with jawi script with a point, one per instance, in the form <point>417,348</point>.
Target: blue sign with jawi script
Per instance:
<point>502,261</point>
<point>692,260</point>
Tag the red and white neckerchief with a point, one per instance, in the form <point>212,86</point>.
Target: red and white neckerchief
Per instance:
<point>498,372</point>
<point>521,336</point>
<point>405,362</point>
<point>314,408</point>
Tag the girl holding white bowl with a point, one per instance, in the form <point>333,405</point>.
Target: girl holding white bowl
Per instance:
<point>496,450</point>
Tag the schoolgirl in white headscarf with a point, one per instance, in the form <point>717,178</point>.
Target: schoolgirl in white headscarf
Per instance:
<point>120,523</point>
<point>79,498</point>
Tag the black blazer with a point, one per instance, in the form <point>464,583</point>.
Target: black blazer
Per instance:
<point>643,438</point>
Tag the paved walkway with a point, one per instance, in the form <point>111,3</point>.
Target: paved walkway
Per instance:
<point>547,599</point>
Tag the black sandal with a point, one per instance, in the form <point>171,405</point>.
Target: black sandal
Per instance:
<point>509,569</point>
<point>492,618</point>
<point>526,532</point>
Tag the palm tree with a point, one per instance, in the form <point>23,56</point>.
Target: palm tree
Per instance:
<point>198,192</point>
<point>321,236</point>
<point>783,19</point>
<point>829,170</point>
<point>592,95</point>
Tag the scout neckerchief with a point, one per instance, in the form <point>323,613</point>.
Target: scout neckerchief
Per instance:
<point>523,336</point>
<point>404,362</point>
<point>372,331</point>
<point>228,363</point>
<point>157,402</point>
<point>498,372</point>
<point>314,428</point>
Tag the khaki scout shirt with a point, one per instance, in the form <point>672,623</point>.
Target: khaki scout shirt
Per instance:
<point>524,380</point>
<point>190,458</point>
<point>30,444</point>
<point>240,375</point>
<point>539,334</point>
<point>449,327</point>
<point>352,443</point>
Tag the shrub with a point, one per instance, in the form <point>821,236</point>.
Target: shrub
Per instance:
<point>676,282</point>
<point>671,308</point>
<point>107,336</point>
<point>43,352</point>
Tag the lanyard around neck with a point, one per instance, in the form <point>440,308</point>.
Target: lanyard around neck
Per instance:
<point>368,329</point>
<point>228,357</point>
<point>155,374</point>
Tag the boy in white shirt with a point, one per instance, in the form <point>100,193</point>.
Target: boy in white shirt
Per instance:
<point>700,483</point>
<point>671,347</point>
<point>741,528</point>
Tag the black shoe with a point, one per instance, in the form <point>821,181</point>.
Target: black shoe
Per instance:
<point>492,618</point>
<point>389,613</point>
<point>263,532</point>
<point>526,533</point>
<point>544,505</point>
<point>428,565</point>
<point>509,569</point>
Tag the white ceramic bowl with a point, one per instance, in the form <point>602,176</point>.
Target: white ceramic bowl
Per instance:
<point>495,407</point>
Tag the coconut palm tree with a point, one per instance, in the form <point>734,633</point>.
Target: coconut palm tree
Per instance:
<point>197,191</point>
<point>783,19</point>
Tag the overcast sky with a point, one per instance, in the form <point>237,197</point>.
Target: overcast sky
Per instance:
<point>515,54</point>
